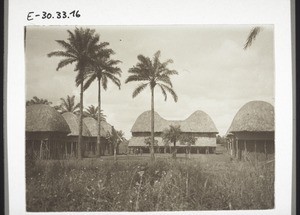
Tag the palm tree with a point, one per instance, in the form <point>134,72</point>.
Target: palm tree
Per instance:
<point>252,36</point>
<point>68,105</point>
<point>36,100</point>
<point>103,69</point>
<point>188,140</point>
<point>80,48</point>
<point>172,135</point>
<point>92,111</point>
<point>152,73</point>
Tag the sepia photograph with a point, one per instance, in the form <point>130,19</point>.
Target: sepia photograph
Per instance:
<point>149,118</point>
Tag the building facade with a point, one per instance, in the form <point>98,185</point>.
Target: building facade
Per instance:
<point>198,125</point>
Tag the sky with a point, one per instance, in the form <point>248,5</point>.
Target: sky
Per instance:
<point>215,74</point>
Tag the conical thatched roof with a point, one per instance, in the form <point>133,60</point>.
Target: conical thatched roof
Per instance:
<point>199,121</point>
<point>255,116</point>
<point>73,123</point>
<point>41,117</point>
<point>92,126</point>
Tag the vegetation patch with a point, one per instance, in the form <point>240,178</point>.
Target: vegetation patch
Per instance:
<point>139,185</point>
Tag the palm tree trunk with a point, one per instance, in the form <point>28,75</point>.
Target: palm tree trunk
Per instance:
<point>99,119</point>
<point>115,152</point>
<point>152,125</point>
<point>80,120</point>
<point>175,150</point>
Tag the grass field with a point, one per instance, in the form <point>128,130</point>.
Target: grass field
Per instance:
<point>133,183</point>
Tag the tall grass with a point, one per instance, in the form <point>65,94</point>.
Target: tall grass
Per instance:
<point>165,185</point>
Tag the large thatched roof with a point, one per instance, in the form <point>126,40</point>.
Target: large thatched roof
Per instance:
<point>41,117</point>
<point>199,121</point>
<point>254,116</point>
<point>73,123</point>
<point>92,126</point>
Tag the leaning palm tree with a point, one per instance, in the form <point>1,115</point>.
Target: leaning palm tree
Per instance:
<point>69,105</point>
<point>172,135</point>
<point>92,111</point>
<point>102,69</point>
<point>80,48</point>
<point>36,100</point>
<point>152,73</point>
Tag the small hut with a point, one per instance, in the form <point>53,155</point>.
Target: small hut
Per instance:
<point>251,133</point>
<point>46,130</point>
<point>199,125</point>
<point>105,130</point>
<point>71,142</point>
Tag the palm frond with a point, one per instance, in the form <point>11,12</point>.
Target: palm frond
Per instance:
<point>89,81</point>
<point>171,91</point>
<point>68,47</point>
<point>139,89</point>
<point>169,72</point>
<point>145,61</point>
<point>79,78</point>
<point>163,91</point>
<point>65,62</point>
<point>251,37</point>
<point>164,78</point>
<point>136,78</point>
<point>114,79</point>
<point>61,54</point>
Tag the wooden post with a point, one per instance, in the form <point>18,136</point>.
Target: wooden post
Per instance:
<point>41,148</point>
<point>237,148</point>
<point>71,148</point>
<point>66,149</point>
<point>266,154</point>
<point>255,150</point>
<point>245,149</point>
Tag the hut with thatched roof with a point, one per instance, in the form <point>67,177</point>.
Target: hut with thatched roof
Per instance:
<point>251,132</point>
<point>105,131</point>
<point>71,142</point>
<point>199,125</point>
<point>46,130</point>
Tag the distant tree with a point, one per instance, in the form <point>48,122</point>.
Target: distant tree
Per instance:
<point>92,111</point>
<point>188,140</point>
<point>36,100</point>
<point>152,73</point>
<point>221,140</point>
<point>172,135</point>
<point>68,105</point>
<point>252,36</point>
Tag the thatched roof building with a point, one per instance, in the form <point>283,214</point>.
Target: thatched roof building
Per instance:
<point>199,124</point>
<point>252,130</point>
<point>73,123</point>
<point>255,116</point>
<point>46,130</point>
<point>44,118</point>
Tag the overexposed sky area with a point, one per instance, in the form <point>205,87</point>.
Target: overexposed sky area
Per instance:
<point>215,74</point>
